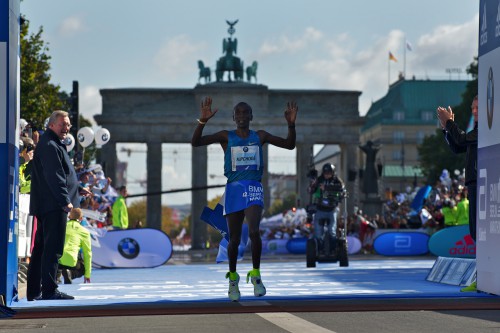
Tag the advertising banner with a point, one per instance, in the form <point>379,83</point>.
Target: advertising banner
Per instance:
<point>488,173</point>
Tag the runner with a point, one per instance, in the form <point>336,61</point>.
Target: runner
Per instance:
<point>244,194</point>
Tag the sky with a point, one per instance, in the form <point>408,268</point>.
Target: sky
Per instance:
<point>310,44</point>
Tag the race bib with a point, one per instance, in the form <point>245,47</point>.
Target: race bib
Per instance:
<point>245,158</point>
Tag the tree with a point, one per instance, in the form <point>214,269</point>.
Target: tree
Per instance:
<point>39,97</point>
<point>280,206</point>
<point>137,212</point>
<point>435,155</point>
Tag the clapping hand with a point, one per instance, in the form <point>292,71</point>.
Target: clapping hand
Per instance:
<point>444,115</point>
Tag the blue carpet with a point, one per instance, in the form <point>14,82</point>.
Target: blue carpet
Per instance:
<point>290,281</point>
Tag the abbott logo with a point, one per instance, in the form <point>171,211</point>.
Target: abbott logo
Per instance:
<point>490,98</point>
<point>483,175</point>
<point>402,242</point>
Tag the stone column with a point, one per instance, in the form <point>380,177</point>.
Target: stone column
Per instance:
<point>108,160</point>
<point>303,160</point>
<point>350,166</point>
<point>154,167</point>
<point>199,167</point>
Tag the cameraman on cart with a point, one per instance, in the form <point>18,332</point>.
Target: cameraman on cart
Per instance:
<point>327,191</point>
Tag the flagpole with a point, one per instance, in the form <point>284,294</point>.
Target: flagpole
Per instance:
<point>404,60</point>
<point>389,71</point>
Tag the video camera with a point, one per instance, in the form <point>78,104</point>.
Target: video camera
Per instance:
<point>312,174</point>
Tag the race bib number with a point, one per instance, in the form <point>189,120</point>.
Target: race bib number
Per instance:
<point>245,158</point>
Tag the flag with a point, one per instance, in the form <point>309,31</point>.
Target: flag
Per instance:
<point>470,126</point>
<point>392,57</point>
<point>408,46</point>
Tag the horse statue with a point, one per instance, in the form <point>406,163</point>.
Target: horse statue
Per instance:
<point>252,72</point>
<point>205,72</point>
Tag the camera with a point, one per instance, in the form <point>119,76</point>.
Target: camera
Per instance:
<point>312,174</point>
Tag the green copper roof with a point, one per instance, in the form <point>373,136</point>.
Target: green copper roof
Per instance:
<point>414,97</point>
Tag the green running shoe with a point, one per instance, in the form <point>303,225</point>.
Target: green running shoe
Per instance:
<point>258,287</point>
<point>234,291</point>
<point>471,287</point>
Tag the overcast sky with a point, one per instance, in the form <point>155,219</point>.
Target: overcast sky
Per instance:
<point>311,44</point>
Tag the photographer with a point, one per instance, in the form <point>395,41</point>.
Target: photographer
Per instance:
<point>26,156</point>
<point>327,192</point>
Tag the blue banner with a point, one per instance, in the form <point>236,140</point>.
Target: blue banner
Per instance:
<point>489,26</point>
<point>401,243</point>
<point>453,242</point>
<point>4,20</point>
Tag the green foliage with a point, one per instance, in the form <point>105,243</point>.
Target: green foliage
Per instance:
<point>137,212</point>
<point>435,155</point>
<point>280,206</point>
<point>39,97</point>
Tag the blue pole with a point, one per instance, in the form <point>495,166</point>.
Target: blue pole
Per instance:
<point>9,147</point>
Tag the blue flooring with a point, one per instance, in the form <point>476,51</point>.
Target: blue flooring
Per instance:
<point>289,280</point>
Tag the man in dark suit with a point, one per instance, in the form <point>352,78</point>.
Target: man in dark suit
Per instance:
<point>54,192</point>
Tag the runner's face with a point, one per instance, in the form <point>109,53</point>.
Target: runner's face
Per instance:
<point>242,117</point>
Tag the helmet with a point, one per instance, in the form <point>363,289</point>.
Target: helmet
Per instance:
<point>328,167</point>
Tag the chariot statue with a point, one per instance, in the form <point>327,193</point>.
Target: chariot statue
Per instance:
<point>229,62</point>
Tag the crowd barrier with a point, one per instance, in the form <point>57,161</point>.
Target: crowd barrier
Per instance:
<point>25,226</point>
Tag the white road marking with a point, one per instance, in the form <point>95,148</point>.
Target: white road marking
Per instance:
<point>292,324</point>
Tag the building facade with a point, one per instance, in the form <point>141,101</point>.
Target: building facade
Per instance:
<point>400,121</point>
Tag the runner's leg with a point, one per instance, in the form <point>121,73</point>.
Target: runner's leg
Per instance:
<point>253,215</point>
<point>235,224</point>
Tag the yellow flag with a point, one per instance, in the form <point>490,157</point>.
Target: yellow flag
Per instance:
<point>392,57</point>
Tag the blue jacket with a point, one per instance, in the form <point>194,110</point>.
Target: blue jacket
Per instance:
<point>53,178</point>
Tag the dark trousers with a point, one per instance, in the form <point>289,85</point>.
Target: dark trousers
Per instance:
<point>48,248</point>
<point>75,272</point>
<point>472,196</point>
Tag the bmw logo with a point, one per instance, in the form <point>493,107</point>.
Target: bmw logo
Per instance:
<point>245,149</point>
<point>81,137</point>
<point>129,248</point>
<point>105,137</point>
<point>490,97</point>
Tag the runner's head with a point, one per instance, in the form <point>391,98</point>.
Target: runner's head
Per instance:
<point>242,114</point>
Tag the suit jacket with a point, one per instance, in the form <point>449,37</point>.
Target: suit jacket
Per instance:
<point>461,142</point>
<point>53,178</point>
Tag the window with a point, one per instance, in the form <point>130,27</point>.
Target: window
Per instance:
<point>398,136</point>
<point>427,116</point>
<point>420,137</point>
<point>398,116</point>
<point>397,155</point>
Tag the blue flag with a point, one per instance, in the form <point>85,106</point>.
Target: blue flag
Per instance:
<point>216,220</point>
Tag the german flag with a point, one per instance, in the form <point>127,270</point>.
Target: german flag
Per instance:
<point>392,57</point>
